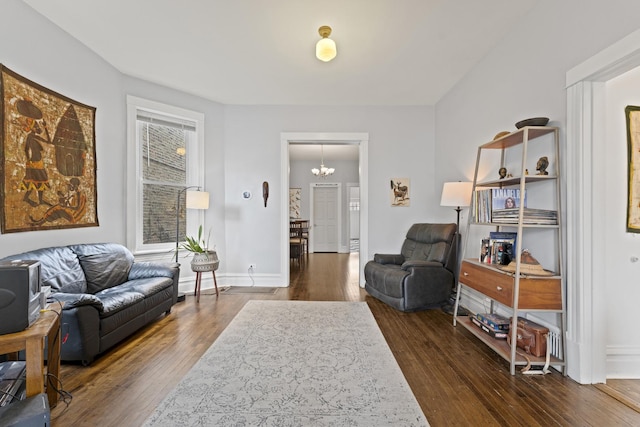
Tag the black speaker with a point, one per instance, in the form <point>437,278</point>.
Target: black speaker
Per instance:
<point>19,295</point>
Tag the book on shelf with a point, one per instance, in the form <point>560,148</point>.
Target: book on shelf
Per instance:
<point>491,332</point>
<point>485,202</point>
<point>494,321</point>
<point>503,246</point>
<point>529,216</point>
<point>485,251</point>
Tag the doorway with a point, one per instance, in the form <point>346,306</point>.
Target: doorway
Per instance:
<point>361,140</point>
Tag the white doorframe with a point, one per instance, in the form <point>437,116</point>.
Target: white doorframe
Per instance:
<point>586,333</point>
<point>348,188</point>
<point>356,138</point>
<point>312,187</point>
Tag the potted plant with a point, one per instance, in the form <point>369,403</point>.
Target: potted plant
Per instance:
<point>204,259</point>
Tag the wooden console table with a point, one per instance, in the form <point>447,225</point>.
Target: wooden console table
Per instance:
<point>32,341</point>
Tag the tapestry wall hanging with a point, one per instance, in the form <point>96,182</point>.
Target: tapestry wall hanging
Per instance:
<point>633,190</point>
<point>47,156</point>
<point>400,192</point>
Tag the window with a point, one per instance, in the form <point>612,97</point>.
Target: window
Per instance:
<point>165,157</point>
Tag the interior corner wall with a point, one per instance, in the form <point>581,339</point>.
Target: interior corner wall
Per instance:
<point>33,47</point>
<point>401,144</point>
<point>524,76</point>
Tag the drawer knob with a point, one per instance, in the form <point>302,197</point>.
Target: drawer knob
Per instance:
<point>465,274</point>
<point>498,288</point>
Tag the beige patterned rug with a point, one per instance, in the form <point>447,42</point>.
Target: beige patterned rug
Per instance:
<point>294,363</point>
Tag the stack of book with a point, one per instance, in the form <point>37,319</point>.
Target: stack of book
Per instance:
<point>529,216</point>
<point>493,324</point>
<point>485,202</point>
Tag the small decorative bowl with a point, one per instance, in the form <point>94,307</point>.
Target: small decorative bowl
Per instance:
<point>535,121</point>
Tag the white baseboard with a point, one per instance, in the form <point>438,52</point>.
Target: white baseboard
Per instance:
<point>188,283</point>
<point>623,362</point>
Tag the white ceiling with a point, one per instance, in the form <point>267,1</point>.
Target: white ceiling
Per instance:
<point>262,52</point>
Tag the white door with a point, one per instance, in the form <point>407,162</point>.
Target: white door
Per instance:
<point>325,219</point>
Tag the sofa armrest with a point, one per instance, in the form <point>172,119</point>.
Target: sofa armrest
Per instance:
<point>395,259</point>
<point>420,264</point>
<point>77,300</point>
<point>145,270</point>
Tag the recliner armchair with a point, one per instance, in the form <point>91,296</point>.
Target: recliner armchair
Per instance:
<point>422,276</point>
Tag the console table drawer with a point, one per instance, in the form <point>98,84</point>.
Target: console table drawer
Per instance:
<point>488,282</point>
<point>536,293</point>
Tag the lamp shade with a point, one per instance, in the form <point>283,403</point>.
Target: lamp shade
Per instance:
<point>326,50</point>
<point>197,200</point>
<point>456,194</point>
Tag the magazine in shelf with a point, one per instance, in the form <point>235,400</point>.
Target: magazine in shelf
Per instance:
<point>506,198</point>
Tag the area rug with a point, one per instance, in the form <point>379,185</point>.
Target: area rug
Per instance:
<point>294,363</point>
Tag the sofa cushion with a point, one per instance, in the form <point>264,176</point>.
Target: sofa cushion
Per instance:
<point>59,268</point>
<point>149,286</point>
<point>117,299</point>
<point>105,265</point>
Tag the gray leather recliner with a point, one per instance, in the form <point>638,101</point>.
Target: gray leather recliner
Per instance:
<point>422,275</point>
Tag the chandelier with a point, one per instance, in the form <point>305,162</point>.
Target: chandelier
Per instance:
<point>324,171</point>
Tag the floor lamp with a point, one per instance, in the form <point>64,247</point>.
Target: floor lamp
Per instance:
<point>456,194</point>
<point>195,200</point>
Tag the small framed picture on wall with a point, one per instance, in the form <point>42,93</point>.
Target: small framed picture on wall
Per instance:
<point>400,190</point>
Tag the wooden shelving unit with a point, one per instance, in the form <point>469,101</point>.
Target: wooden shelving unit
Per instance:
<point>515,292</point>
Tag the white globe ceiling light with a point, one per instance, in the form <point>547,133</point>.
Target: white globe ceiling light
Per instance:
<point>325,48</point>
<point>324,171</point>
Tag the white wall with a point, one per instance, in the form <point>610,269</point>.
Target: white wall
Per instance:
<point>55,60</point>
<point>623,292</point>
<point>401,143</point>
<point>214,174</point>
<point>524,76</point>
<point>36,49</point>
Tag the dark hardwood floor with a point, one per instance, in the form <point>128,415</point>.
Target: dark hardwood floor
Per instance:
<point>457,380</point>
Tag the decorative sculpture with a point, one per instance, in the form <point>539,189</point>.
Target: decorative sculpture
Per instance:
<point>265,192</point>
<point>502,172</point>
<point>542,165</point>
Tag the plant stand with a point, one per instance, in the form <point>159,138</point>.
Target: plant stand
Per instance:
<point>196,292</point>
<point>201,263</point>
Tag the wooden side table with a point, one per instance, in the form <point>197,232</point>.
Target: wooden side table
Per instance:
<point>32,340</point>
<point>196,292</point>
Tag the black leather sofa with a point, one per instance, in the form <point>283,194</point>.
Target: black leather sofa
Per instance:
<point>422,275</point>
<point>106,294</point>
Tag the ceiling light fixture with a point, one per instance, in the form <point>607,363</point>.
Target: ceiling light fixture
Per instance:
<point>324,171</point>
<point>325,48</point>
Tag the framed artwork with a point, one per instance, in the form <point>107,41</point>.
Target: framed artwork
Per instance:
<point>400,190</point>
<point>295,197</point>
<point>48,158</point>
<point>633,190</point>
